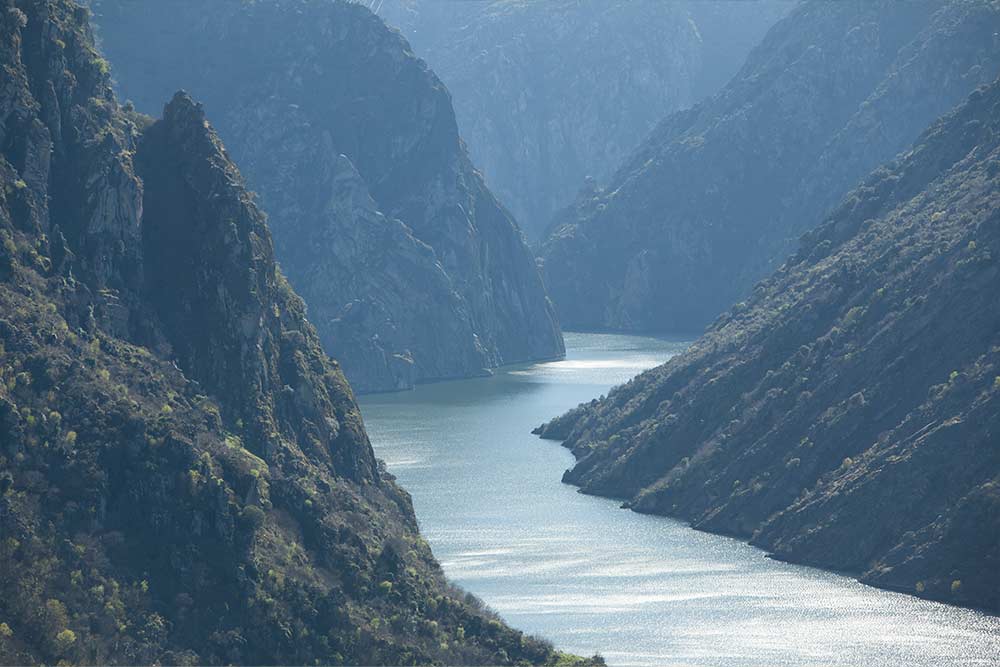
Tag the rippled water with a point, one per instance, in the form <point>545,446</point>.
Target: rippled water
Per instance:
<point>591,577</point>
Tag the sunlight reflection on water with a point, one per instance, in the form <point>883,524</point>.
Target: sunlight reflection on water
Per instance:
<point>591,577</point>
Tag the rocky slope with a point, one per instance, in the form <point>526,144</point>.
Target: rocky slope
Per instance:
<point>412,271</point>
<point>549,92</point>
<point>848,414</point>
<point>717,196</point>
<point>184,474</point>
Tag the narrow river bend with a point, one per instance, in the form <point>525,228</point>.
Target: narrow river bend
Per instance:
<point>591,577</point>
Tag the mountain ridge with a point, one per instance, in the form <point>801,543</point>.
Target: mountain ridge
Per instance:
<point>337,82</point>
<point>717,196</point>
<point>549,94</point>
<point>845,415</point>
<point>184,473</point>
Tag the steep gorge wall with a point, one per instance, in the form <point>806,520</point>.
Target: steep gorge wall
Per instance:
<point>412,271</point>
<point>550,92</point>
<point>716,198</point>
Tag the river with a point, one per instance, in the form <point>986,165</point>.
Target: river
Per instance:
<point>591,577</point>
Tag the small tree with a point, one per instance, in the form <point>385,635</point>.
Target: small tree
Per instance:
<point>65,639</point>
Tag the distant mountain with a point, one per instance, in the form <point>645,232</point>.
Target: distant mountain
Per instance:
<point>184,474</point>
<point>411,269</point>
<point>549,92</point>
<point>848,414</point>
<point>717,196</point>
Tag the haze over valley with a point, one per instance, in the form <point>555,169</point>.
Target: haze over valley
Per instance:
<point>501,332</point>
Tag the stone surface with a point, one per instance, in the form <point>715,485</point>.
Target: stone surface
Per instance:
<point>429,280</point>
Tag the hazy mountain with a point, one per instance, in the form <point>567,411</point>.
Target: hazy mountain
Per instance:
<point>184,474</point>
<point>848,414</point>
<point>549,92</point>
<point>718,195</point>
<point>411,269</point>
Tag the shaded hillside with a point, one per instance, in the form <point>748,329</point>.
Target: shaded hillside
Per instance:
<point>549,92</point>
<point>715,199</point>
<point>184,474</point>
<point>847,415</point>
<point>412,271</point>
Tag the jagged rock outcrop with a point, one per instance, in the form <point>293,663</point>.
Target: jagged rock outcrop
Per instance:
<point>425,277</point>
<point>548,92</point>
<point>717,196</point>
<point>184,474</point>
<point>848,414</point>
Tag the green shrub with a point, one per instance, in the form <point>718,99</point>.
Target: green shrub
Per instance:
<point>102,66</point>
<point>65,639</point>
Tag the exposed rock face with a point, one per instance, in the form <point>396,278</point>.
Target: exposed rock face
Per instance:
<point>716,197</point>
<point>848,414</point>
<point>184,474</point>
<point>361,252</point>
<point>419,274</point>
<point>548,92</point>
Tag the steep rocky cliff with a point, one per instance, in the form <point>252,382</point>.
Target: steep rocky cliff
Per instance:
<point>717,196</point>
<point>412,271</point>
<point>848,414</point>
<point>184,474</point>
<point>549,92</point>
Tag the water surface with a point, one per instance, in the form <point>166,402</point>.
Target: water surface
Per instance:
<point>591,577</point>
